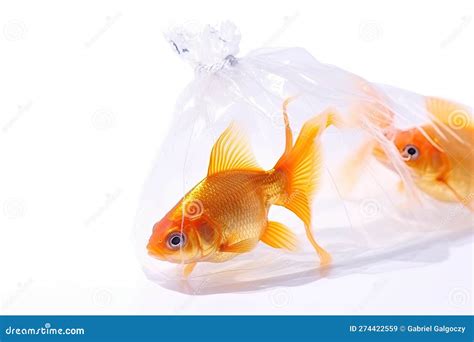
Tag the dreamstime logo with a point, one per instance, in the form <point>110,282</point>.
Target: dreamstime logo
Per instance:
<point>102,297</point>
<point>14,31</point>
<point>189,299</point>
<point>280,298</point>
<point>22,109</point>
<point>14,208</point>
<point>378,286</point>
<point>109,22</point>
<point>277,120</point>
<point>459,297</point>
<point>370,208</point>
<point>465,21</point>
<point>459,119</point>
<point>103,119</point>
<point>370,31</point>
<point>21,288</point>
<point>455,211</point>
<point>193,209</point>
<point>287,22</point>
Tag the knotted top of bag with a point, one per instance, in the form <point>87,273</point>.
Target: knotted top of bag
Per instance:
<point>207,48</point>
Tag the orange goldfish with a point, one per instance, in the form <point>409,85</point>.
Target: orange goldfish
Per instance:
<point>439,154</point>
<point>226,214</point>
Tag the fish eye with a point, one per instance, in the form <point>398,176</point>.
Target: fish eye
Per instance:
<point>176,240</point>
<point>410,152</point>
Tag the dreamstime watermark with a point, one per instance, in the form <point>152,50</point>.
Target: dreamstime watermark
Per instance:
<point>455,211</point>
<point>109,22</point>
<point>47,329</point>
<point>20,289</point>
<point>277,117</point>
<point>459,119</point>
<point>110,198</point>
<point>465,21</point>
<point>14,31</point>
<point>22,109</point>
<point>459,297</point>
<point>370,31</point>
<point>104,119</point>
<point>102,297</point>
<point>193,209</point>
<point>14,208</point>
<point>277,120</point>
<point>287,22</point>
<point>280,298</point>
<point>195,291</point>
<point>377,287</point>
<point>370,208</point>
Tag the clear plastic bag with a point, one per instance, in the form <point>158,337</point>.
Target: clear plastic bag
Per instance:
<point>363,208</point>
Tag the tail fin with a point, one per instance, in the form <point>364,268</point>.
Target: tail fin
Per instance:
<point>301,164</point>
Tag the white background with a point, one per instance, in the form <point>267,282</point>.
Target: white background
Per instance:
<point>86,96</point>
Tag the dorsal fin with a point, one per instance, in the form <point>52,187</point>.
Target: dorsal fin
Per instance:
<point>449,113</point>
<point>232,151</point>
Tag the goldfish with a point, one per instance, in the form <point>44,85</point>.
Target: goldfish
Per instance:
<point>438,154</point>
<point>226,214</point>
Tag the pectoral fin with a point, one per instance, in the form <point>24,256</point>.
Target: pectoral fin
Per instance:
<point>188,268</point>
<point>278,235</point>
<point>239,247</point>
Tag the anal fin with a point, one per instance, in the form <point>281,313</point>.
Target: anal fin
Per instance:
<point>188,268</point>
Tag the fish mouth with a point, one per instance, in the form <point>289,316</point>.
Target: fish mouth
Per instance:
<point>154,252</point>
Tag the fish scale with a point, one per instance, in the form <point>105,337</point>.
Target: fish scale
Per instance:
<point>235,201</point>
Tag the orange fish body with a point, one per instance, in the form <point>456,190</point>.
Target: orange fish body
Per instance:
<point>226,214</point>
<point>439,154</point>
<point>236,203</point>
<point>441,157</point>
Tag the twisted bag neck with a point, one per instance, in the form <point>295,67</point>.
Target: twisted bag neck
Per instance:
<point>230,60</point>
<point>207,49</point>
